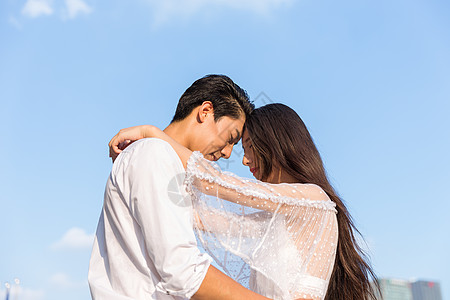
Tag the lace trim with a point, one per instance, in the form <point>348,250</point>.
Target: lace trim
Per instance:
<point>192,172</point>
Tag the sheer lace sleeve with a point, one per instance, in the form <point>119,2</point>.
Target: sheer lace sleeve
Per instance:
<point>277,239</point>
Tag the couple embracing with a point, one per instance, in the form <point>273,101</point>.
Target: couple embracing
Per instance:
<point>283,235</point>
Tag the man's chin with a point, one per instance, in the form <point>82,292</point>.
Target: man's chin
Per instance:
<point>211,157</point>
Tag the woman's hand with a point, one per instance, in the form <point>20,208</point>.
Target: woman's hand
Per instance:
<point>126,136</point>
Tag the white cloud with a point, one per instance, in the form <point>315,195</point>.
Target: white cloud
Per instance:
<point>74,238</point>
<point>36,8</point>
<point>170,9</point>
<point>76,7</point>
<point>63,281</point>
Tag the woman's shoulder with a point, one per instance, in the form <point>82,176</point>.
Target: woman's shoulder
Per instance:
<point>307,191</point>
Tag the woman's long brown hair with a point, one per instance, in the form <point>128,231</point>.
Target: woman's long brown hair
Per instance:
<point>279,136</point>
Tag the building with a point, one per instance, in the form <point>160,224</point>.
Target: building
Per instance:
<point>400,289</point>
<point>395,289</point>
<point>426,290</point>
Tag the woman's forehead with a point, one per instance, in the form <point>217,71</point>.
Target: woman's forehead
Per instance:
<point>245,135</point>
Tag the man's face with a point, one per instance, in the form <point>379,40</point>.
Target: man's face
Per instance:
<point>216,139</point>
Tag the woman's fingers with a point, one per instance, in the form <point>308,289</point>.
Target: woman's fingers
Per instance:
<point>115,146</point>
<point>114,150</point>
<point>124,138</point>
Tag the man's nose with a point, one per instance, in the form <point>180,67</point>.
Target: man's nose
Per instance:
<point>226,151</point>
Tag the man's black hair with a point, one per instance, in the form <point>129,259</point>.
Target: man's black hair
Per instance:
<point>227,98</point>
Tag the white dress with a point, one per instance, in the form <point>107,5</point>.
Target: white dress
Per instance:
<point>279,240</point>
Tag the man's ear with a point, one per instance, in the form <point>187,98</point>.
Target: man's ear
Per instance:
<point>206,110</point>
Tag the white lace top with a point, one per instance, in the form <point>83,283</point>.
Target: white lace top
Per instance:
<point>277,239</point>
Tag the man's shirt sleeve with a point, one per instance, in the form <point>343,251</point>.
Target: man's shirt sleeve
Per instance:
<point>151,181</point>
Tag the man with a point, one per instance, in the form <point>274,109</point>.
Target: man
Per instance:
<point>145,247</point>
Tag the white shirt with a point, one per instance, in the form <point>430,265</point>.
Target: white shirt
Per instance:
<point>145,246</point>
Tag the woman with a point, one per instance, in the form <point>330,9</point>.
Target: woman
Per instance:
<point>286,235</point>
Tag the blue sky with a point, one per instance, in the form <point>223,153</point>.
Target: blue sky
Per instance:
<point>369,78</point>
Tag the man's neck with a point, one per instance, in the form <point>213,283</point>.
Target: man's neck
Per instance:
<point>179,132</point>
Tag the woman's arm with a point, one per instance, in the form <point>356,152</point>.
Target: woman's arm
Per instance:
<point>129,135</point>
<point>205,174</point>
